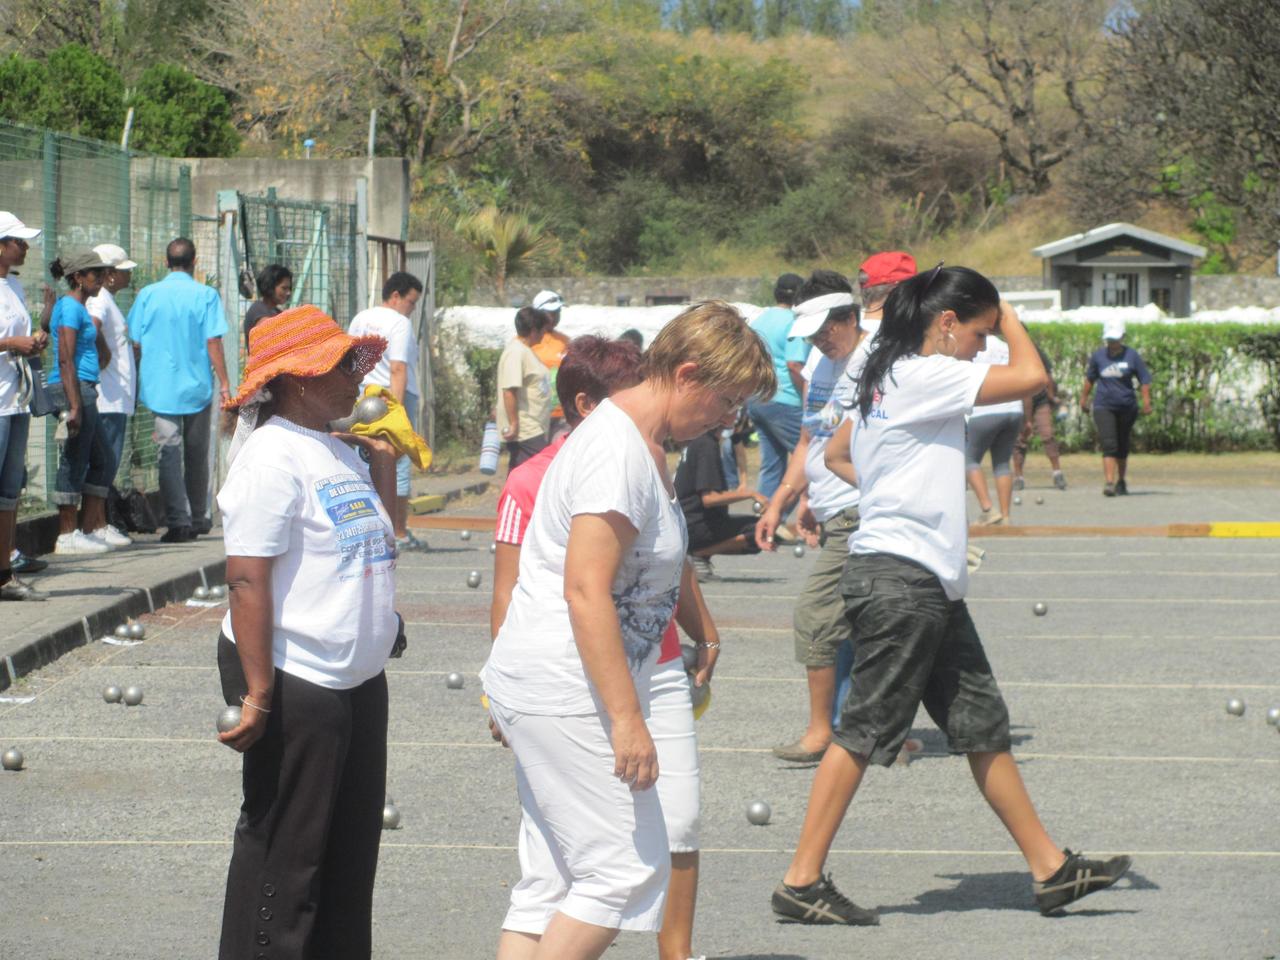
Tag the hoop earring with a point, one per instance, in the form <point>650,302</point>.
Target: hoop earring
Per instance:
<point>302,390</point>
<point>955,344</point>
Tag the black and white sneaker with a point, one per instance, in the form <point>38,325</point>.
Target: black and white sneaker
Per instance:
<point>820,902</point>
<point>1077,878</point>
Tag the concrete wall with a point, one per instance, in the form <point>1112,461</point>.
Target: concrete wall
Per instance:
<point>606,291</point>
<point>1234,290</point>
<point>1207,292</point>
<point>332,180</point>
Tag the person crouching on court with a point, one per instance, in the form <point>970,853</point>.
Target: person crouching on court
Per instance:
<point>311,573</point>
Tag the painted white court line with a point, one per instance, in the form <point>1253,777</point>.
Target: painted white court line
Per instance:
<point>491,745</point>
<point>510,848</point>
<point>1128,601</point>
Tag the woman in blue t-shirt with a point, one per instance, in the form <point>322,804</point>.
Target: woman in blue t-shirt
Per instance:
<point>1113,368</point>
<point>80,352</point>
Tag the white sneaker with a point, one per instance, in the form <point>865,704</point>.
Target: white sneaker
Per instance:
<point>76,542</point>
<point>111,537</point>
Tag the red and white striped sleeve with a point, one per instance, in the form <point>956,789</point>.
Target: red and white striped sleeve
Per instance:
<point>512,521</point>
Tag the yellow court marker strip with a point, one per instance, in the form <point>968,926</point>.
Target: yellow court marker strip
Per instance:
<point>1245,530</point>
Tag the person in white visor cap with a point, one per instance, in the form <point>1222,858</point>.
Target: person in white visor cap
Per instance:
<point>550,350</point>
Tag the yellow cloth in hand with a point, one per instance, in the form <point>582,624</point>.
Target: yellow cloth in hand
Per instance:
<point>395,428</point>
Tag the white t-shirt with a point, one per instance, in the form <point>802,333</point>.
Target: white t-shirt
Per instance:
<point>909,454</point>
<point>996,354</point>
<point>827,401</point>
<point>402,346</point>
<point>118,383</point>
<point>305,499</point>
<point>15,321</point>
<point>605,466</point>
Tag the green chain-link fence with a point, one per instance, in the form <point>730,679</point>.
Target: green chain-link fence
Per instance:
<point>83,192</point>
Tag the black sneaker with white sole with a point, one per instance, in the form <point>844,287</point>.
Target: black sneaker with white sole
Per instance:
<point>820,902</point>
<point>1077,878</point>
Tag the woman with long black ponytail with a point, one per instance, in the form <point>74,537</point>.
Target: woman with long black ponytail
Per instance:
<point>905,580</point>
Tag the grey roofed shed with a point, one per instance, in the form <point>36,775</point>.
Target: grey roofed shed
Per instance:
<point>1121,265</point>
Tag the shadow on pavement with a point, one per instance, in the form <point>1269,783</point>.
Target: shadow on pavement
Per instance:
<point>1010,890</point>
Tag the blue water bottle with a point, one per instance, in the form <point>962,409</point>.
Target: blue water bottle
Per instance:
<point>489,449</point>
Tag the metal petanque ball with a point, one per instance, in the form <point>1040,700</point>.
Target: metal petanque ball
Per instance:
<point>137,631</point>
<point>464,535</point>
<point>1017,501</point>
<point>799,550</point>
<point>1039,501</point>
<point>1040,609</point>
<point>122,631</point>
<point>112,694</point>
<point>493,548</point>
<point>454,681</point>
<point>217,592</point>
<point>229,719</point>
<point>1235,707</point>
<point>473,579</point>
<point>201,593</point>
<point>757,506</point>
<point>1273,716</point>
<point>13,759</point>
<point>390,817</point>
<point>132,696</point>
<point>758,813</point>
<point>371,409</point>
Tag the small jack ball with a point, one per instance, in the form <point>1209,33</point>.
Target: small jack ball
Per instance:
<point>799,550</point>
<point>454,681</point>
<point>201,593</point>
<point>758,813</point>
<point>1039,501</point>
<point>473,579</point>
<point>13,759</point>
<point>229,719</point>
<point>1235,707</point>
<point>137,631</point>
<point>1040,609</point>
<point>132,696</point>
<point>390,817</point>
<point>465,535</point>
<point>1017,501</point>
<point>112,694</point>
<point>122,631</point>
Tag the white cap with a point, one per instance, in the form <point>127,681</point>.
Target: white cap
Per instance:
<point>1113,329</point>
<point>812,314</point>
<point>547,300</point>
<point>114,256</point>
<point>11,226</point>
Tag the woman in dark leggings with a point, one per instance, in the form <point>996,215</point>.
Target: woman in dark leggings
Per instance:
<point>1113,368</point>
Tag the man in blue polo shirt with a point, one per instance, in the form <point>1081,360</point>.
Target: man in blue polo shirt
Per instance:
<point>178,323</point>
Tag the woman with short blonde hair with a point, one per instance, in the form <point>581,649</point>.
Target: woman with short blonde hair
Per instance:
<point>602,565</point>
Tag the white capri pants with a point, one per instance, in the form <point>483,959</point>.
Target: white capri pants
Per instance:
<point>590,847</point>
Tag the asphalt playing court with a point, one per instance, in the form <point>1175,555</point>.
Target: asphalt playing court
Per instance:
<point>114,840</point>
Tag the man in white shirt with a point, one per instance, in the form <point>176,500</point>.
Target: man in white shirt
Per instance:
<point>398,372</point>
<point>118,388</point>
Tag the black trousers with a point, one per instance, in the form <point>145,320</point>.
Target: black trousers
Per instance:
<point>300,885</point>
<point>1114,427</point>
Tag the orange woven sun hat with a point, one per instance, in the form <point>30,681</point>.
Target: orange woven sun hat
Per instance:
<point>304,342</point>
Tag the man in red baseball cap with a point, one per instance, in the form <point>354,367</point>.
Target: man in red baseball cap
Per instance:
<point>877,275</point>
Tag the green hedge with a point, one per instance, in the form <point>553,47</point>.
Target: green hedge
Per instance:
<point>1215,386</point>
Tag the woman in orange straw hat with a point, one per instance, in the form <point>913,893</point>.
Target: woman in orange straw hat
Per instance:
<point>311,570</point>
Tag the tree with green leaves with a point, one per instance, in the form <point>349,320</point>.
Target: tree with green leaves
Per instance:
<point>509,243</point>
<point>179,116</point>
<point>74,91</point>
